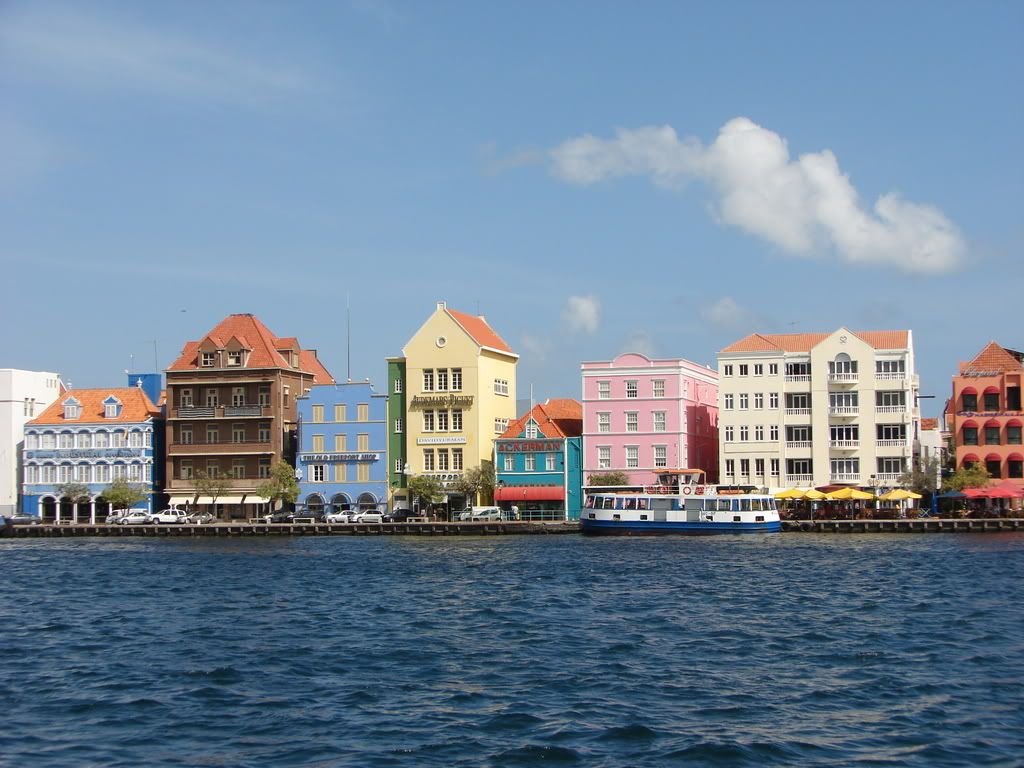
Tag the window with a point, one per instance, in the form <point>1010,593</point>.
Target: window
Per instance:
<point>442,379</point>
<point>891,432</point>
<point>206,359</point>
<point>456,420</point>
<point>31,441</point>
<point>49,474</point>
<point>212,468</point>
<point>362,442</point>
<point>286,392</point>
<point>110,410</point>
<point>660,456</point>
<point>727,369</point>
<point>730,466</point>
<point>102,440</point>
<point>117,439</point>
<point>318,414</point>
<point>442,421</point>
<point>631,421</point>
<point>890,399</point>
<point>211,398</point>
<point>728,402</point>
<point>659,421</point>
<point>530,462</point>
<point>456,379</point>
<point>549,462</point>
<point>889,366</point>
<point>428,379</point>
<point>317,473</point>
<point>428,459</point>
<point>759,400</point>
<point>1013,436</point>
<point>774,464</point>
<point>66,440</point>
<point>1015,467</point>
<point>604,422</point>
<point>264,433</point>
<point>340,443</point>
<point>398,426</point>
<point>745,467</point>
<point>501,387</point>
<point>397,387</point>
<point>891,466</point>
<point>759,467</point>
<point>798,434</point>
<point>773,399</point>
<point>212,434</point>
<point>264,395</point>
<point>744,369</point>
<point>457,459</point>
<point>604,390</point>
<point>186,469</point>
<point>238,469</point>
<point>744,401</point>
<point>604,457</point>
<point>798,369</point>
<point>844,433</point>
<point>428,421</point>
<point>632,457</point>
<point>970,435</point>
<point>72,408</point>
<point>773,370</point>
<point>318,444</point>
<point>845,466</point>
<point>341,473</point>
<point>508,462</point>
<point>658,387</point>
<point>399,465</point>
<point>842,365</point>
<point>759,369</point>
<point>799,467</point>
<point>744,433</point>
<point>991,401</point>
<point>82,473</point>
<point>263,470</point>
<point>238,396</point>
<point>759,433</point>
<point>235,360</point>
<point>500,425</point>
<point>134,439</point>
<point>728,434</point>
<point>362,412</point>
<point>442,459</point>
<point>991,435</point>
<point>631,389</point>
<point>363,471</point>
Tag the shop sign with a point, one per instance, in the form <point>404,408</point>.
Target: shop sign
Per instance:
<point>86,453</point>
<point>441,401</point>
<point>340,456</point>
<point>529,446</point>
<point>440,441</point>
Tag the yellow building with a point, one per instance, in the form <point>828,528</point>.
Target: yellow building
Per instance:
<point>451,394</point>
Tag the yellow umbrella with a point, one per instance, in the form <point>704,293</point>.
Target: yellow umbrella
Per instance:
<point>792,493</point>
<point>849,493</point>
<point>814,493</point>
<point>899,494</point>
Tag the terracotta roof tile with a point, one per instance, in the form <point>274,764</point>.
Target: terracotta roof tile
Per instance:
<point>929,424</point>
<point>310,363</point>
<point>480,331</point>
<point>993,359</point>
<point>805,342</point>
<point>135,407</point>
<point>562,417</point>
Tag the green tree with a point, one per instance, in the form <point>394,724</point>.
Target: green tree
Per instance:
<point>477,481</point>
<point>124,495</point>
<point>213,486</point>
<point>973,476</point>
<point>609,478</point>
<point>76,493</point>
<point>281,486</point>
<point>427,489</point>
<point>923,477</point>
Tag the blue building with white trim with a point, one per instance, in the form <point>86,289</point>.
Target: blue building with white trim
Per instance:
<point>342,458</point>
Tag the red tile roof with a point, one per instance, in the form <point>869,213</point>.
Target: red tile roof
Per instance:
<point>929,424</point>
<point>991,360</point>
<point>561,417</point>
<point>263,348</point>
<point>805,342</point>
<point>480,331</point>
<point>135,407</point>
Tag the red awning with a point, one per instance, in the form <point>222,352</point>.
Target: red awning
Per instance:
<point>1015,457</point>
<point>991,390</point>
<point>968,391</point>
<point>970,458</point>
<point>969,424</point>
<point>994,457</point>
<point>993,423</point>
<point>530,493</point>
<point>975,493</point>
<point>1014,423</point>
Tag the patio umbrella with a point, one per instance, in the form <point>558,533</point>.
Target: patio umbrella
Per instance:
<point>899,494</point>
<point>975,493</point>
<point>952,495</point>
<point>814,494</point>
<point>844,494</point>
<point>792,493</point>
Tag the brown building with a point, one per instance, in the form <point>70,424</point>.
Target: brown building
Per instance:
<point>231,411</point>
<point>987,419</point>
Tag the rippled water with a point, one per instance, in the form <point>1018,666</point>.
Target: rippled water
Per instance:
<point>513,651</point>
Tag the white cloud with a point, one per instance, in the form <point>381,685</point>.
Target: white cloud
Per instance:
<point>805,206</point>
<point>87,50</point>
<point>726,314</point>
<point>640,343</point>
<point>536,348</point>
<point>582,313</point>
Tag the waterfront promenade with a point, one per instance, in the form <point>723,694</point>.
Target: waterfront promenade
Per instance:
<point>495,528</point>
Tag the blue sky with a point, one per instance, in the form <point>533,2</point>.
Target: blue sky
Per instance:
<point>593,177</point>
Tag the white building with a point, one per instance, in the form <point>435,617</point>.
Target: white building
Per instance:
<point>816,409</point>
<point>23,396</point>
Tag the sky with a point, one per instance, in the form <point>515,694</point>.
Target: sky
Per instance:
<point>592,177</point>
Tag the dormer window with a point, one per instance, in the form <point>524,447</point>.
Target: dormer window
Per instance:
<point>206,359</point>
<point>531,430</point>
<point>235,359</point>
<point>111,408</point>
<point>72,408</point>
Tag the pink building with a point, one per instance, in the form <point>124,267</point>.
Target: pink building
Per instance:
<point>641,416</point>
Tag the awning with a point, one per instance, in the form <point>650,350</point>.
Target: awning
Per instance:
<point>253,499</point>
<point>994,457</point>
<point>991,390</point>
<point>970,458</point>
<point>1015,457</point>
<point>204,500</point>
<point>179,500</point>
<point>992,423</point>
<point>969,424</point>
<point>530,493</point>
<point>1014,423</point>
<point>968,391</point>
<point>229,499</point>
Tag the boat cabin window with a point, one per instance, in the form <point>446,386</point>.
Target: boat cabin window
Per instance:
<point>722,505</point>
<point>736,518</point>
<point>589,503</point>
<point>759,519</point>
<point>694,505</point>
<point>630,503</point>
<point>641,503</point>
<point>616,517</point>
<point>608,502</point>
<point>744,505</point>
<point>643,517</point>
<point>662,504</point>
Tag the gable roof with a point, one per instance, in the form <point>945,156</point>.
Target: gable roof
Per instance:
<point>991,360</point>
<point>929,424</point>
<point>135,407</point>
<point>805,342</point>
<point>479,331</point>
<point>561,417</point>
<point>264,348</point>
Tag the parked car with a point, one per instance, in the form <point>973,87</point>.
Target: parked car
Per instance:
<point>134,517</point>
<point>368,516</point>
<point>169,516</point>
<point>399,515</point>
<point>341,516</point>
<point>114,518</point>
<point>200,518</point>
<point>486,513</point>
<point>465,515</point>
<point>23,519</point>
<point>278,517</point>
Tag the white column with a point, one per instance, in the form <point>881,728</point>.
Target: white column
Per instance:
<point>56,518</point>
<point>92,511</point>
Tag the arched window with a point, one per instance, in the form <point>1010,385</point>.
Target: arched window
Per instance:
<point>842,365</point>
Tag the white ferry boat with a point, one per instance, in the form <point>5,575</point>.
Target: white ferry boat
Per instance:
<point>680,503</point>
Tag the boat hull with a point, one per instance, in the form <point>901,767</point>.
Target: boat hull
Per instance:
<point>651,528</point>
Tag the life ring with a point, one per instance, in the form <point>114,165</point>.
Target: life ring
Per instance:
<point>687,490</point>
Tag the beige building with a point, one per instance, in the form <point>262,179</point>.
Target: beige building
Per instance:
<point>453,391</point>
<point>817,409</point>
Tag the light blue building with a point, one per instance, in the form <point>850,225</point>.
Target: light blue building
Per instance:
<point>91,437</point>
<point>539,464</point>
<point>342,454</point>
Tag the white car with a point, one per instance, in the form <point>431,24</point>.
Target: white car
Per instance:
<point>369,516</point>
<point>344,516</point>
<point>486,513</point>
<point>134,517</point>
<point>169,516</point>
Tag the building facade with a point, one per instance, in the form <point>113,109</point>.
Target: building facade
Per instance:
<point>342,456</point>
<point>24,395</point>
<point>91,437</point>
<point>641,416</point>
<point>538,462</point>
<point>232,412</point>
<point>987,415</point>
<point>456,386</point>
<point>818,409</point>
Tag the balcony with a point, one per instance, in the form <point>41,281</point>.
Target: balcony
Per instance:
<point>844,445</point>
<point>228,447</point>
<point>843,410</point>
<point>890,376</point>
<point>798,444</point>
<point>794,480</point>
<point>843,378</point>
<point>225,411</point>
<point>845,477</point>
<point>890,409</point>
<point>798,411</point>
<point>891,443</point>
<point>888,478</point>
<point>792,378</point>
